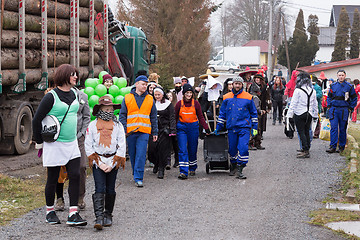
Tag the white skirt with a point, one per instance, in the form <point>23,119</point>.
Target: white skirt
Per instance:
<point>59,153</point>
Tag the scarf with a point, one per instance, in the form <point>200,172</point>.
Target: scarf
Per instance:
<point>106,116</point>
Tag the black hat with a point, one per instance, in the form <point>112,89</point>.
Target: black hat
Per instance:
<point>259,76</point>
<point>187,87</point>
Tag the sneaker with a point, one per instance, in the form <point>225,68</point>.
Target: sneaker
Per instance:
<point>259,147</point>
<point>139,184</point>
<point>52,219</point>
<point>168,167</point>
<point>81,204</point>
<point>76,220</point>
<point>182,176</point>
<point>60,205</point>
<point>192,173</point>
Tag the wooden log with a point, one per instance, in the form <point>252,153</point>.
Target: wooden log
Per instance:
<point>33,24</point>
<point>10,39</point>
<point>34,7</point>
<point>10,58</point>
<point>10,77</point>
<point>98,4</point>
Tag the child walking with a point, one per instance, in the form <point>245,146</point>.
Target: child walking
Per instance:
<point>105,147</point>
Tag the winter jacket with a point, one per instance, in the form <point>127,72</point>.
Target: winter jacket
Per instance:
<point>139,100</point>
<point>319,95</point>
<point>277,93</point>
<point>341,95</point>
<point>237,111</point>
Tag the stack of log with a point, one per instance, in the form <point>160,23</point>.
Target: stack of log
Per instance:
<point>10,39</point>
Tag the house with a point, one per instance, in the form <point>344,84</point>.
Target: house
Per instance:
<point>335,13</point>
<point>264,47</point>
<point>326,44</point>
<point>351,67</point>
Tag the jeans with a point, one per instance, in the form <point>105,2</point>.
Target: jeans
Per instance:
<point>137,146</point>
<point>277,107</point>
<point>104,182</point>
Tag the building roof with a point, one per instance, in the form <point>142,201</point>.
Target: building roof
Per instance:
<point>327,36</point>
<point>263,44</point>
<point>335,13</point>
<point>331,65</point>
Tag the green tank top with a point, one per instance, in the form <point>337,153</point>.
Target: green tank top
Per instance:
<point>68,129</point>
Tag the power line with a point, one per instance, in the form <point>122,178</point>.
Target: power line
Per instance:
<point>307,6</point>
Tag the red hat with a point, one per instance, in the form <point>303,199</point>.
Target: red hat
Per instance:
<point>322,76</point>
<point>247,70</point>
<point>107,76</point>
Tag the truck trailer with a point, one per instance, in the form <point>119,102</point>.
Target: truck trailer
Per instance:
<point>37,36</point>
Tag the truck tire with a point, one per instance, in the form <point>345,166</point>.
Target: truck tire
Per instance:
<point>23,133</point>
<point>231,70</point>
<point>128,67</point>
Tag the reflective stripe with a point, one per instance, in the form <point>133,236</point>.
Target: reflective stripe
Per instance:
<point>138,115</point>
<point>138,124</point>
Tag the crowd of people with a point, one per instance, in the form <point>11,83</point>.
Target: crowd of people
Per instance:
<point>154,122</point>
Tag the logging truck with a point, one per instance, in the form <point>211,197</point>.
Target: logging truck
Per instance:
<point>37,36</point>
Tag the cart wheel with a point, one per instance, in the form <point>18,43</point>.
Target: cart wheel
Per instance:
<point>207,167</point>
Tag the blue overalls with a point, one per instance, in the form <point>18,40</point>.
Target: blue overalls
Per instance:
<point>239,114</point>
<point>341,99</point>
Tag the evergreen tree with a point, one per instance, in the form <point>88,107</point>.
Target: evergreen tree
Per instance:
<point>355,35</point>
<point>342,37</point>
<point>313,43</point>
<point>180,29</point>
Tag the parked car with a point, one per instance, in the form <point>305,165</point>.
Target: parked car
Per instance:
<point>225,66</point>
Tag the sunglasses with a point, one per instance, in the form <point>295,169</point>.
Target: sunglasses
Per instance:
<point>73,74</point>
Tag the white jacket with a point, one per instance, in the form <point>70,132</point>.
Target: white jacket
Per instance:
<point>299,102</point>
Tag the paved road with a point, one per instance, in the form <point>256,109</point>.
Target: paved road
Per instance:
<point>273,203</point>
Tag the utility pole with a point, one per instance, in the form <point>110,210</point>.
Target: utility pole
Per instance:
<point>269,74</point>
<point>276,41</point>
<point>286,48</point>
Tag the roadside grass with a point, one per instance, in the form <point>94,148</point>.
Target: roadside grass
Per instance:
<point>19,196</point>
<point>349,181</point>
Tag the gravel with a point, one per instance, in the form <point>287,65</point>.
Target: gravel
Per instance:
<point>273,203</point>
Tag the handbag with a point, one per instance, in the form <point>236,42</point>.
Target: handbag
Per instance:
<point>50,130</point>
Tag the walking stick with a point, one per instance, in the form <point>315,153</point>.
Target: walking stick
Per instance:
<point>207,121</point>
<point>214,112</point>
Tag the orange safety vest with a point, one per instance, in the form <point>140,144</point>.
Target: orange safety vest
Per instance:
<point>138,118</point>
<point>188,114</point>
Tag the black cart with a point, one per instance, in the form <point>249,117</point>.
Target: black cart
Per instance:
<point>216,152</point>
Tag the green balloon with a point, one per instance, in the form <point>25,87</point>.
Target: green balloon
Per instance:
<point>110,96</point>
<point>116,112</point>
<point>89,91</point>
<point>121,82</point>
<point>118,99</point>
<point>124,91</point>
<point>115,80</point>
<point>91,82</point>
<point>94,99</point>
<point>82,90</point>
<point>100,90</point>
<point>114,90</point>
<point>101,74</point>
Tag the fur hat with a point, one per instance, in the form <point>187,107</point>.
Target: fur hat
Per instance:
<point>104,101</point>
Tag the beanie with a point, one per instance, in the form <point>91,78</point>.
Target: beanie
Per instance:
<point>238,79</point>
<point>106,77</point>
<point>141,78</point>
<point>187,87</point>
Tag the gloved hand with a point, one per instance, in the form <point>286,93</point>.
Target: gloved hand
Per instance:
<point>120,161</point>
<point>93,157</point>
<point>254,132</point>
<point>216,132</point>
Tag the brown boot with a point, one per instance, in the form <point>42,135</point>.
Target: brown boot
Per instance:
<point>304,154</point>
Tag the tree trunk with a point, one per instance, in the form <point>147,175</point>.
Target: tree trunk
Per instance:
<point>34,7</point>
<point>98,4</point>
<point>10,58</point>
<point>10,77</point>
<point>10,39</point>
<point>33,24</point>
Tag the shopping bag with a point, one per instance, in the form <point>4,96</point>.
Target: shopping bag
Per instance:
<point>325,130</point>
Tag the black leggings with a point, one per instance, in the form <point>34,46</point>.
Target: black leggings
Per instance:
<point>73,171</point>
<point>277,106</point>
<point>303,124</point>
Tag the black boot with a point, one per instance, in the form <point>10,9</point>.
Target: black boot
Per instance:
<point>156,168</point>
<point>240,175</point>
<point>161,173</point>
<point>109,207</point>
<point>233,169</point>
<point>98,202</point>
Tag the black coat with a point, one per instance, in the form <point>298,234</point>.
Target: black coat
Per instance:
<point>166,120</point>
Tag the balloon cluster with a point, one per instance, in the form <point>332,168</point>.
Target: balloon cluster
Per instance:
<point>95,89</point>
